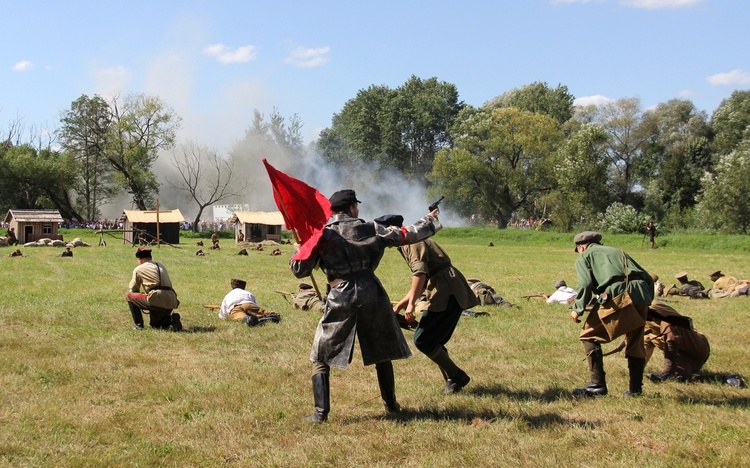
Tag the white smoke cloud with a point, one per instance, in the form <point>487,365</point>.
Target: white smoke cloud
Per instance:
<point>596,100</point>
<point>112,81</point>
<point>225,55</point>
<point>659,4</point>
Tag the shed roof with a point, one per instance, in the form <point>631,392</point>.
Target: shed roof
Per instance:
<point>165,216</point>
<point>34,216</point>
<point>270,218</point>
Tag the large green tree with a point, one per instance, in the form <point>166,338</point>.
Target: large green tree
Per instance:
<point>141,126</point>
<point>85,133</point>
<point>399,128</point>
<point>540,98</point>
<point>731,122</point>
<point>502,160</point>
<point>723,203</point>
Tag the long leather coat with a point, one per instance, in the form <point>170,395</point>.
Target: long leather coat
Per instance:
<point>348,252</point>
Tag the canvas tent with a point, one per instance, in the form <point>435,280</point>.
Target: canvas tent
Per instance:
<point>135,221</point>
<point>257,226</point>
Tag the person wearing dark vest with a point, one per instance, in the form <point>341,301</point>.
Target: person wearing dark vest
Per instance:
<point>158,297</point>
<point>357,305</point>
<point>603,274</point>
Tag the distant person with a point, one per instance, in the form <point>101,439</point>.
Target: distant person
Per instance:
<point>67,252</point>
<point>727,286</point>
<point>563,294</point>
<point>240,236</point>
<point>157,297</point>
<point>242,252</point>
<point>658,286</point>
<point>215,241</point>
<point>200,253</point>
<point>651,231</point>
<point>307,299</point>
<point>17,253</point>
<point>240,305</point>
<point>12,240</point>
<point>486,294</point>
<point>687,287</point>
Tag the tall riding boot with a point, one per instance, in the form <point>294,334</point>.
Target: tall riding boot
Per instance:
<point>670,363</point>
<point>137,316</point>
<point>635,371</point>
<point>321,393</point>
<point>457,378</point>
<point>387,384</point>
<point>598,384</point>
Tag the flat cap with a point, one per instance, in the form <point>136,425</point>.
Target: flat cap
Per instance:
<point>343,198</point>
<point>238,283</point>
<point>559,284</point>
<point>390,220</point>
<point>716,273</point>
<point>681,275</point>
<point>587,237</point>
<point>305,286</point>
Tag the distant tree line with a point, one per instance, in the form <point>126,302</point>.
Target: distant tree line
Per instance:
<point>528,152</point>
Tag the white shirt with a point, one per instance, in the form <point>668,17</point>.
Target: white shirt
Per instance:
<point>563,295</point>
<point>234,298</point>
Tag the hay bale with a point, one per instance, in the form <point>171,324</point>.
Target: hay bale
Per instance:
<point>3,242</point>
<point>58,243</point>
<point>31,244</point>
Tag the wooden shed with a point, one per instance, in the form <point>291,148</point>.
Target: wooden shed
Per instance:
<point>32,225</point>
<point>137,222</point>
<point>257,226</point>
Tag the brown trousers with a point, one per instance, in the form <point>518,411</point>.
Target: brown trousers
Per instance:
<point>594,331</point>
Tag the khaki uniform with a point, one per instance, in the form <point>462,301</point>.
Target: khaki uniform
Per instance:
<point>158,297</point>
<point>308,300</point>
<point>693,348</point>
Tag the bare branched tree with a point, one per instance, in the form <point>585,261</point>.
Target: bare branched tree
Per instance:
<point>206,176</point>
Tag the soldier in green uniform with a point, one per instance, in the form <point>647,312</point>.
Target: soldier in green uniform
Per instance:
<point>606,272</point>
<point>307,299</point>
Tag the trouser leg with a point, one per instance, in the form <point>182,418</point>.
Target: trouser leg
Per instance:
<point>455,377</point>
<point>321,393</point>
<point>387,384</point>
<point>135,311</point>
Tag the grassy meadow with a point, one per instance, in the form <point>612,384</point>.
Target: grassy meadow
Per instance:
<point>80,387</point>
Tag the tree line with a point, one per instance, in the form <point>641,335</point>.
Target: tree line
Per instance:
<point>527,152</point>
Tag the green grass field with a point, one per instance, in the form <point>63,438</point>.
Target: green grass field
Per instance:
<point>81,388</point>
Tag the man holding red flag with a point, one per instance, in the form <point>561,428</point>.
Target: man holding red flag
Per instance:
<point>348,251</point>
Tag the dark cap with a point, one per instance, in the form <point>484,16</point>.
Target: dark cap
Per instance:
<point>587,237</point>
<point>654,277</point>
<point>304,286</point>
<point>681,275</point>
<point>238,284</point>
<point>559,284</point>
<point>390,220</point>
<point>343,198</point>
<point>716,273</point>
<point>143,253</point>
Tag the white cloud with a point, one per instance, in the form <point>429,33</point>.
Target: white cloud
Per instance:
<point>306,58</point>
<point>659,4</point>
<point>22,66</point>
<point>224,54</point>
<point>596,100</point>
<point>732,78</point>
<point>565,2</point>
<point>687,94</point>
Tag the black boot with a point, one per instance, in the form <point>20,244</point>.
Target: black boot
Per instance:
<point>387,384</point>
<point>670,362</point>
<point>176,322</point>
<point>321,394</point>
<point>598,384</point>
<point>137,316</point>
<point>635,371</point>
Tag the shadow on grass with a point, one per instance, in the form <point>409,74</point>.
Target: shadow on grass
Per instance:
<point>548,395</point>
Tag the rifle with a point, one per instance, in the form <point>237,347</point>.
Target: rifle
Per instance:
<point>529,296</point>
<point>211,306</point>
<point>285,294</point>
<point>435,205</point>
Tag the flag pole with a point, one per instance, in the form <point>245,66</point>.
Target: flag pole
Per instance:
<point>296,238</point>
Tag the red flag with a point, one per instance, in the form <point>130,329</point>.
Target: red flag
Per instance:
<point>305,210</point>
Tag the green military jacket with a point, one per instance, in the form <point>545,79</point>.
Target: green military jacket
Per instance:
<point>602,268</point>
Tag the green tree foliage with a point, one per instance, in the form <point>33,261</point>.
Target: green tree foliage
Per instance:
<point>731,122</point>
<point>36,179</point>
<point>502,159</point>
<point>402,128</point>
<point>540,98</point>
<point>581,174</point>
<point>628,135</point>
<point>676,156</point>
<point>141,127</point>
<point>724,204</point>
<point>85,133</point>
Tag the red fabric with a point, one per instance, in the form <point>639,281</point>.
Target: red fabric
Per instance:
<point>305,210</point>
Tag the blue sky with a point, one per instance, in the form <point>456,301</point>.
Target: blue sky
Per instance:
<point>215,61</point>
